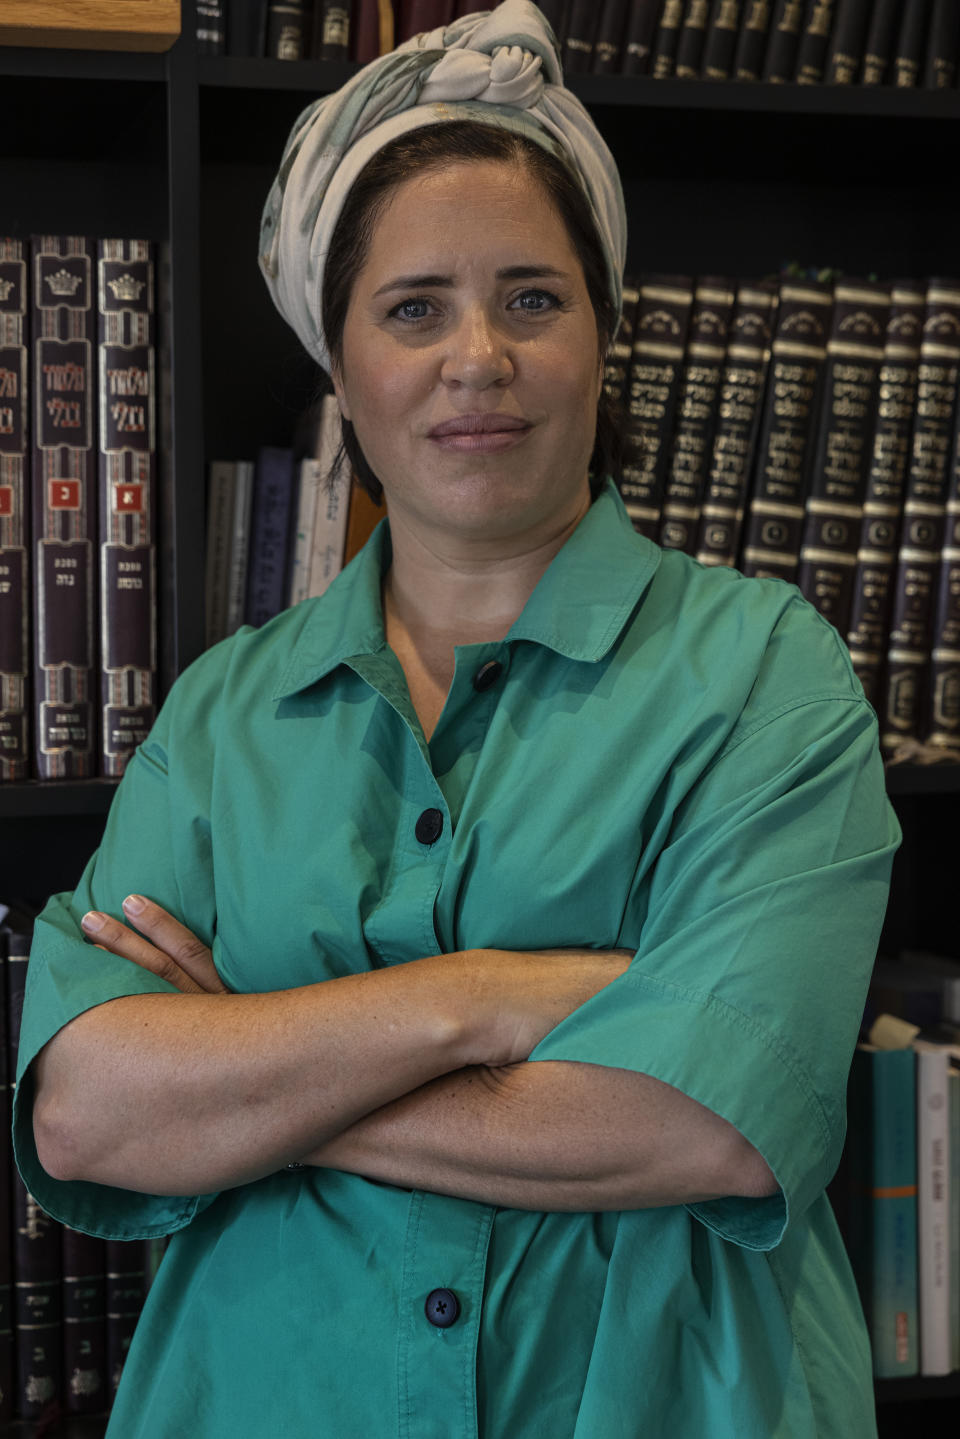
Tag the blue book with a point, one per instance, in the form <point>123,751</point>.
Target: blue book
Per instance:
<point>273,489</point>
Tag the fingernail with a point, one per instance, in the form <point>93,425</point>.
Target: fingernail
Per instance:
<point>134,904</point>
<point>93,922</point>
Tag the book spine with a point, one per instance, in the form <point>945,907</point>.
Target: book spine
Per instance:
<point>693,34</point>
<point>239,544</point>
<point>881,39</point>
<point>125,1291</point>
<point>667,38</point>
<point>656,366</point>
<point>609,46</point>
<point>886,476</point>
<point>942,730</point>
<point>7,1359</point>
<point>812,55</point>
<point>217,571</point>
<point>849,39</point>
<point>911,44</point>
<point>753,39</point>
<point>781,59</point>
<point>331,30</point>
<point>616,370</point>
<point>365,32</point>
<point>64,506</point>
<point>14,512</point>
<point>953,1103</point>
<point>741,395</point>
<point>940,72</point>
<point>288,30</point>
<point>309,477</point>
<point>792,402</point>
<point>924,511</point>
<point>555,12</point>
<point>127,498</point>
<point>721,39</point>
<point>894,1318</point>
<point>269,530</point>
<point>86,1389</point>
<point>933,1207</point>
<point>247,28</point>
<point>211,29</point>
<point>578,43</point>
<point>697,408</point>
<point>834,506</point>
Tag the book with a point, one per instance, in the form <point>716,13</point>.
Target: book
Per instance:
<point>918,986</point>
<point>721,41</point>
<point>910,49</point>
<point>126,382</point>
<point>365,30</point>
<point>814,42</point>
<point>611,39</point>
<point>942,728</point>
<point>414,17</point>
<point>697,408</point>
<point>656,367</point>
<point>933,1207</point>
<point>14,512</point>
<point>785,25</point>
<point>85,1375</point>
<point>331,30</point>
<point>752,41</point>
<point>693,35</point>
<point>270,523</point>
<point>211,29</point>
<point>777,504</point>
<point>242,503</point>
<point>616,371</point>
<point>666,39</point>
<point>288,29</point>
<point>940,70</point>
<point>847,43</point>
<point>246,27</point>
<point>834,504</point>
<point>7,1357</point>
<point>881,38</point>
<point>873,581</point>
<point>582,21</point>
<point>64,484</point>
<point>125,1290</point>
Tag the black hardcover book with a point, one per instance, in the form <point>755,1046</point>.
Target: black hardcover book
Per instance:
<point>904,699</point>
<point>881,38</point>
<point>609,46</point>
<point>940,72</point>
<point>942,730</point>
<point>812,56</point>
<point>582,23</point>
<point>721,39</point>
<point>14,511</point>
<point>83,1258</point>
<point>288,29</point>
<point>911,45</point>
<point>697,410</point>
<point>849,39</point>
<point>883,502</point>
<point>642,20</point>
<point>616,370</point>
<point>787,431</point>
<point>741,397</point>
<point>331,30</point>
<point>659,343</point>
<point>752,42</point>
<point>693,35</point>
<point>834,508</point>
<point>666,40</point>
<point>211,27</point>
<point>555,12</point>
<point>247,27</point>
<point>126,1288</point>
<point>785,27</point>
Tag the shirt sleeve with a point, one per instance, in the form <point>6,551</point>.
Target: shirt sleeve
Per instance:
<point>765,908</point>
<point>157,842</point>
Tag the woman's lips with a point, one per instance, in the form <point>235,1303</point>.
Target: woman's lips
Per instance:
<point>479,434</point>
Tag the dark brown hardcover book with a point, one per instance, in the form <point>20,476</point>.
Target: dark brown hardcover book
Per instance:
<point>126,381</point>
<point>126,1289</point>
<point>7,1357</point>
<point>721,40</point>
<point>787,431</point>
<point>609,45</point>
<point>656,367</point>
<point>288,29</point>
<point>584,16</point>
<point>741,396</point>
<point>616,370</point>
<point>247,27</point>
<point>415,17</point>
<point>752,41</point>
<point>85,1381</point>
<point>331,30</point>
<point>940,72</point>
<point>903,701</point>
<point>365,31</point>
<point>556,15</point>
<point>942,730</point>
<point>64,484</point>
<point>666,40</point>
<point>780,64</point>
<point>641,28</point>
<point>834,507</point>
<point>14,512</point>
<point>883,503</point>
<point>911,47</point>
<point>693,35</point>
<point>814,42</point>
<point>211,27</point>
<point>849,38</point>
<point>697,410</point>
<point>881,39</point>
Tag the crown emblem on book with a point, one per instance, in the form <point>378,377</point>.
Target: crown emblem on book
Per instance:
<point>126,288</point>
<point>63,283</point>
<point>5,287</point>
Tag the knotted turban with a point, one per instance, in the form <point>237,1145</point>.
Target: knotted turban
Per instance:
<point>500,68</point>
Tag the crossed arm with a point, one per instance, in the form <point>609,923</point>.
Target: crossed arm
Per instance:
<point>413,1075</point>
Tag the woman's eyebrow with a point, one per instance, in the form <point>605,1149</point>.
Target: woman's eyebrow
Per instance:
<point>447,282</point>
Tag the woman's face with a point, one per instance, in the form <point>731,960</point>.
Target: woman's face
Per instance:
<point>471,370</point>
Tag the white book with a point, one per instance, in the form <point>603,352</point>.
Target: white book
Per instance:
<point>333,502</point>
<point>239,543</point>
<point>308,484</point>
<point>933,1207</point>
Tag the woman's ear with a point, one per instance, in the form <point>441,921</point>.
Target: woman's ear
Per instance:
<point>337,379</point>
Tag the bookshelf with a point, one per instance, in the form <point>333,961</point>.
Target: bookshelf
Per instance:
<point>718,176</point>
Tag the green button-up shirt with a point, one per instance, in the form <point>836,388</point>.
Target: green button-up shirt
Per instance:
<point>675,760</point>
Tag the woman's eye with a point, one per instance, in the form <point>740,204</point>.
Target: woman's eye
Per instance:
<point>534,301</point>
<point>411,310</point>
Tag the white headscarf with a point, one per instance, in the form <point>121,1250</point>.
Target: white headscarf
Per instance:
<point>500,68</point>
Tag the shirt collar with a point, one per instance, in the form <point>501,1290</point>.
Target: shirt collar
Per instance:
<point>578,608</point>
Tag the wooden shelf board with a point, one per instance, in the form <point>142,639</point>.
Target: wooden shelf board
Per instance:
<point>91,24</point>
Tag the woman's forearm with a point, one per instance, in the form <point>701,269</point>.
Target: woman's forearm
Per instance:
<point>552,1136</point>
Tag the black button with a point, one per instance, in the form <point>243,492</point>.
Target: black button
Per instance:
<point>487,675</point>
<point>442,1308</point>
<point>429,826</point>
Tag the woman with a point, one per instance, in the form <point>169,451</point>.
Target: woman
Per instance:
<point>498,926</point>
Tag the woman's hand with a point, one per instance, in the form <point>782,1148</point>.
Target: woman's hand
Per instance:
<point>163,945</point>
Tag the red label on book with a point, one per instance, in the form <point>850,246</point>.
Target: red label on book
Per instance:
<point>64,495</point>
<point>6,501</point>
<point>128,499</point>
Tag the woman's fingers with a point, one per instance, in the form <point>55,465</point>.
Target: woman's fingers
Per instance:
<point>109,934</point>
<point>174,939</point>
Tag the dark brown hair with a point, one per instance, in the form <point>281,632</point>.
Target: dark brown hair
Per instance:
<point>425,149</point>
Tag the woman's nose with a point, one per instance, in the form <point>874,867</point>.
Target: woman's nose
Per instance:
<point>477,352</point>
